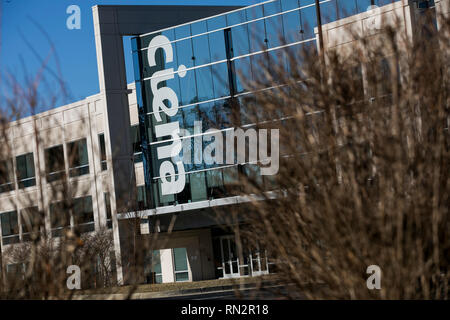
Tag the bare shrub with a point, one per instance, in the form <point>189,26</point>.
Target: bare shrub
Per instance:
<point>364,169</point>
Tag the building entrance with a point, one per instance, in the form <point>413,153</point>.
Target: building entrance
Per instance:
<point>253,263</point>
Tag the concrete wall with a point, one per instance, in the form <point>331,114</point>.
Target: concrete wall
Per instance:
<point>81,119</point>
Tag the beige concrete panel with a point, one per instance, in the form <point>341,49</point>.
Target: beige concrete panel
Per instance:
<point>24,144</point>
<point>76,113</point>
<point>139,171</point>
<point>76,130</point>
<point>7,202</point>
<point>51,137</point>
<point>24,128</point>
<point>134,116</point>
<point>53,120</point>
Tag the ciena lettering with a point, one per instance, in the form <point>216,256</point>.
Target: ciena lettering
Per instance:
<point>171,171</point>
<point>172,181</point>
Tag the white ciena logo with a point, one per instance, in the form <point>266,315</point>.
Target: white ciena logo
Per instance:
<point>373,22</point>
<point>172,181</point>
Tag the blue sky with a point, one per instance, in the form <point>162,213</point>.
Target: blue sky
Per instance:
<point>22,40</point>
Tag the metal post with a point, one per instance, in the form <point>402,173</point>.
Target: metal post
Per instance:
<point>319,25</point>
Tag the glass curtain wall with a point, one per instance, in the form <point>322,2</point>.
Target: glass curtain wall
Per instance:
<point>217,53</point>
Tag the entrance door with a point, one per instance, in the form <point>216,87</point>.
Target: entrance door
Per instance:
<point>230,260</point>
<point>258,262</point>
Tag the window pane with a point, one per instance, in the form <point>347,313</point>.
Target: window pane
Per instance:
<point>272,8</point>
<point>220,80</point>
<point>214,183</point>
<point>78,158</point>
<point>182,276</point>
<point>346,8</point>
<point>54,162</point>
<point>328,11</point>
<point>156,261</point>
<point>29,219</point>
<point>289,4</point>
<point>183,31</point>
<point>188,89</point>
<point>254,13</point>
<point>10,227</point>
<point>59,215</point>
<point>274,31</point>
<point>204,83</point>
<point>243,74</point>
<point>108,209</point>
<point>216,23</point>
<point>291,25</point>
<point>25,170</point>
<point>198,27</point>
<point>82,209</point>
<point>6,176</point>
<point>239,36</point>
<point>185,53</point>
<point>142,198</point>
<point>9,223</point>
<point>309,21</point>
<point>198,186</point>
<point>180,259</point>
<point>201,50</point>
<point>208,115</point>
<point>236,17</point>
<point>136,143</point>
<point>217,46</point>
<point>101,140</point>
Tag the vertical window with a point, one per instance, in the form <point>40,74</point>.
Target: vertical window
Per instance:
<point>291,26</point>
<point>214,182</point>
<point>198,186</point>
<point>101,143</point>
<point>274,25</point>
<point>29,222</point>
<point>59,218</point>
<point>108,210</point>
<point>136,143</point>
<point>240,43</point>
<point>217,46</point>
<point>153,271</point>
<point>10,227</point>
<point>204,81</point>
<point>54,163</point>
<point>200,45</point>
<point>180,264</point>
<point>78,158</point>
<point>83,214</point>
<point>142,198</point>
<point>25,170</point>
<point>157,266</point>
<point>6,176</point>
<point>309,21</point>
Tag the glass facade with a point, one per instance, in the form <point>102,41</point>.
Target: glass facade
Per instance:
<point>192,73</point>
